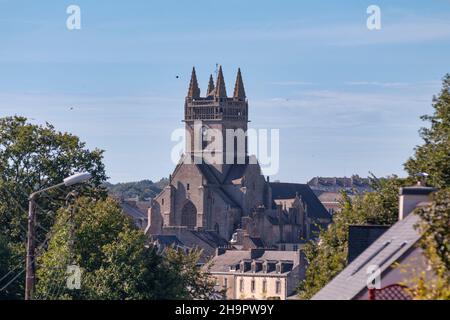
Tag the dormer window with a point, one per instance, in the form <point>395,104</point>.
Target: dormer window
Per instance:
<point>278,267</point>
<point>245,266</point>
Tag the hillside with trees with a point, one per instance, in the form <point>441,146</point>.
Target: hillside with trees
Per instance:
<point>143,190</point>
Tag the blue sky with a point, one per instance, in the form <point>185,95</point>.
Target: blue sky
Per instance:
<point>346,100</point>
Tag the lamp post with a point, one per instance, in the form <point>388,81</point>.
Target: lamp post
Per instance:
<point>30,266</point>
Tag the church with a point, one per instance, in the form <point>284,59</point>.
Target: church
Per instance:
<point>229,203</point>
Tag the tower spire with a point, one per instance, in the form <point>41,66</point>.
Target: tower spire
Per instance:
<point>221,91</point>
<point>239,91</point>
<point>210,86</point>
<point>194,90</point>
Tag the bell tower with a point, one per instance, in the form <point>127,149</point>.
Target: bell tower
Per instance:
<point>214,114</point>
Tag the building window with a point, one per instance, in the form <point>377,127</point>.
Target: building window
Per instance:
<point>187,186</point>
<point>225,283</point>
<point>253,285</point>
<point>189,215</point>
<point>278,287</point>
<point>278,268</point>
<point>162,201</point>
<point>241,285</point>
<point>264,286</point>
<point>295,247</point>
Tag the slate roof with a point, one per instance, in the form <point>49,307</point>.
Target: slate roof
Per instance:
<point>222,263</point>
<point>236,172</point>
<point>210,237</point>
<point>214,180</point>
<point>168,240</point>
<point>387,249</point>
<point>133,212</point>
<point>289,191</point>
<point>275,220</point>
<point>257,242</point>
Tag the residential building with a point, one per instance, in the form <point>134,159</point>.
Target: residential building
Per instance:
<point>257,274</point>
<point>135,212</point>
<point>390,261</point>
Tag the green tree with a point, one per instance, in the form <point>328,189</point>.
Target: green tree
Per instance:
<point>142,189</point>
<point>115,259</point>
<point>98,238</point>
<point>5,258</point>
<point>435,242</point>
<point>327,257</point>
<point>192,282</point>
<point>433,157</point>
<point>34,157</point>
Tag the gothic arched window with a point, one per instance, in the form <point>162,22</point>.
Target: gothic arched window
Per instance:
<point>189,215</point>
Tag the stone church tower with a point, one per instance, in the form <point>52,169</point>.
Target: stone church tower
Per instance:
<point>215,200</point>
<point>217,113</point>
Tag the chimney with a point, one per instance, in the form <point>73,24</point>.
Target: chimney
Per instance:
<point>220,251</point>
<point>411,197</point>
<point>256,253</point>
<point>360,237</point>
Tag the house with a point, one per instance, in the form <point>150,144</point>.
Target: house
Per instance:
<point>257,274</point>
<point>329,189</point>
<point>135,213</point>
<point>389,261</point>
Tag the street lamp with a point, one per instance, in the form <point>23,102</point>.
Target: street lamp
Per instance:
<point>30,270</point>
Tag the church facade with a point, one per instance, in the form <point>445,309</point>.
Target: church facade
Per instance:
<point>228,200</point>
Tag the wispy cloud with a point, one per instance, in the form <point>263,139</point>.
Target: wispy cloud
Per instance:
<point>292,83</point>
<point>105,45</point>
<point>378,84</point>
<point>90,113</point>
<point>346,109</point>
<point>411,30</point>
